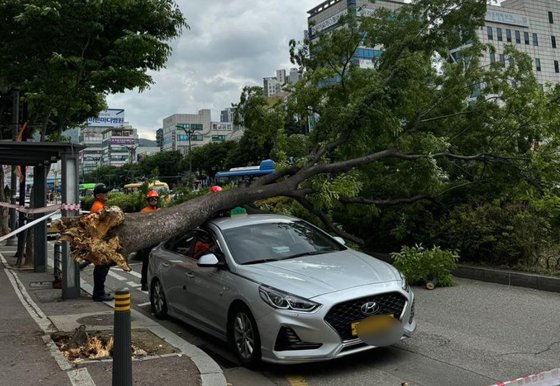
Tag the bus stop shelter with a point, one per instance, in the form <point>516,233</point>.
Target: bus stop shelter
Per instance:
<point>40,155</point>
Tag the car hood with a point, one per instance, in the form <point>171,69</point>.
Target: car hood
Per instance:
<point>311,276</point>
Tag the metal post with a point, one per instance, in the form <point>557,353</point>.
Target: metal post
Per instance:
<point>70,269</point>
<point>190,160</point>
<point>40,230</point>
<point>122,351</point>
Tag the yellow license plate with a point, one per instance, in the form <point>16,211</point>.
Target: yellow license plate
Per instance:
<point>373,324</point>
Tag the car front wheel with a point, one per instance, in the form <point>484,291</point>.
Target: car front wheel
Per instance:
<point>157,300</point>
<point>244,336</point>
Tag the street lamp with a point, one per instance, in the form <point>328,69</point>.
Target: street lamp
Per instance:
<point>189,132</point>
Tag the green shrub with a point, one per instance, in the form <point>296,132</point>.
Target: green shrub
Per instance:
<point>420,265</point>
<point>183,193</point>
<point>129,203</point>
<point>497,232</point>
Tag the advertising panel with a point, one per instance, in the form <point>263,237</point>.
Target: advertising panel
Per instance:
<point>108,118</point>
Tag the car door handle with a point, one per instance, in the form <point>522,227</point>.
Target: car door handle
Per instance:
<point>165,264</point>
<point>190,275</point>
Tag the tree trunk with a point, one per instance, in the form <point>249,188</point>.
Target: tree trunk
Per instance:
<point>140,231</point>
<point>97,238</point>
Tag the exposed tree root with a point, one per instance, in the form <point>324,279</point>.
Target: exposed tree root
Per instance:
<point>90,239</point>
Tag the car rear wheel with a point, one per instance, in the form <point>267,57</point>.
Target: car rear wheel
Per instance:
<point>157,300</point>
<point>245,337</point>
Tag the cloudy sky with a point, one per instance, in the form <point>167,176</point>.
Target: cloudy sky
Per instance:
<point>230,44</point>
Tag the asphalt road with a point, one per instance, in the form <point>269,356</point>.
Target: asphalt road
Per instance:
<point>475,333</point>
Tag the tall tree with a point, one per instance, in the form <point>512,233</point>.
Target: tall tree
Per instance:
<point>66,56</point>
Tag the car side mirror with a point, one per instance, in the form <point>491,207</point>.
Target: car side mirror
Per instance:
<point>209,260</point>
<point>339,239</point>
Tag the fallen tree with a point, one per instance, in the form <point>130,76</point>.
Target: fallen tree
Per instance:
<point>109,236</point>
<point>396,132</point>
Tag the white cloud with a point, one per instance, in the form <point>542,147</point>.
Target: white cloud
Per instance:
<point>230,44</point>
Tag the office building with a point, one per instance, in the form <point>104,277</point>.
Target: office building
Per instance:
<point>533,27</point>
<point>91,135</point>
<point>325,17</point>
<point>118,146</point>
<point>177,129</point>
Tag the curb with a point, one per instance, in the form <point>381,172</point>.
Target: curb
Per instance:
<point>519,279</point>
<point>498,276</point>
<point>211,374</point>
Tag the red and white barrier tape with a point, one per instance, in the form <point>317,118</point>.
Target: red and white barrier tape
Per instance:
<point>46,209</point>
<point>546,378</point>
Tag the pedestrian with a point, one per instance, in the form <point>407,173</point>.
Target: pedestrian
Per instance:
<point>152,198</point>
<point>100,194</point>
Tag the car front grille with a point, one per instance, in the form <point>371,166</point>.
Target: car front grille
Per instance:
<point>342,315</point>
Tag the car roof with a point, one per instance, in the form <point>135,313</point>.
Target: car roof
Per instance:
<point>250,219</point>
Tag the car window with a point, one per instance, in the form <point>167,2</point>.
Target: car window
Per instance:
<point>182,244</point>
<point>277,241</point>
<point>194,244</point>
<point>204,243</point>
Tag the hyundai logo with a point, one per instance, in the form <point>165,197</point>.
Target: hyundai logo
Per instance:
<point>369,308</point>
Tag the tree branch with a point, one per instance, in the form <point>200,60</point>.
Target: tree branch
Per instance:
<point>328,223</point>
<point>394,201</point>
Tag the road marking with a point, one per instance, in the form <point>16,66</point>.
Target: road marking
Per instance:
<point>80,377</point>
<point>135,274</point>
<point>117,276</point>
<point>296,380</point>
<point>133,284</point>
<point>143,304</point>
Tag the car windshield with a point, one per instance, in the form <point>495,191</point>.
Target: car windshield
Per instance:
<point>260,243</point>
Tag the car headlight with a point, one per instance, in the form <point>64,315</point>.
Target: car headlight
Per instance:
<point>404,283</point>
<point>285,301</point>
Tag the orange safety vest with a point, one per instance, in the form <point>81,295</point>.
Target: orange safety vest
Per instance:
<point>96,206</point>
<point>148,208</point>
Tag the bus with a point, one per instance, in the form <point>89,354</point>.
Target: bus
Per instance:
<point>157,185</point>
<point>245,174</point>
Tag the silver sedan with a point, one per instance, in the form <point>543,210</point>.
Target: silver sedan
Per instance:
<point>280,290</point>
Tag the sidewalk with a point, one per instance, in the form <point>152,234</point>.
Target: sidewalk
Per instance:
<point>32,310</point>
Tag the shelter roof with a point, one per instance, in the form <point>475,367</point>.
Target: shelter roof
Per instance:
<point>35,153</point>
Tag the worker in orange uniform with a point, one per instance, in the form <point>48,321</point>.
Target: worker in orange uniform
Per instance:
<point>152,197</point>
<point>100,192</point>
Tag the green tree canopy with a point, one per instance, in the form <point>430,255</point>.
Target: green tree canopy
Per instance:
<point>66,56</point>
<point>425,123</point>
